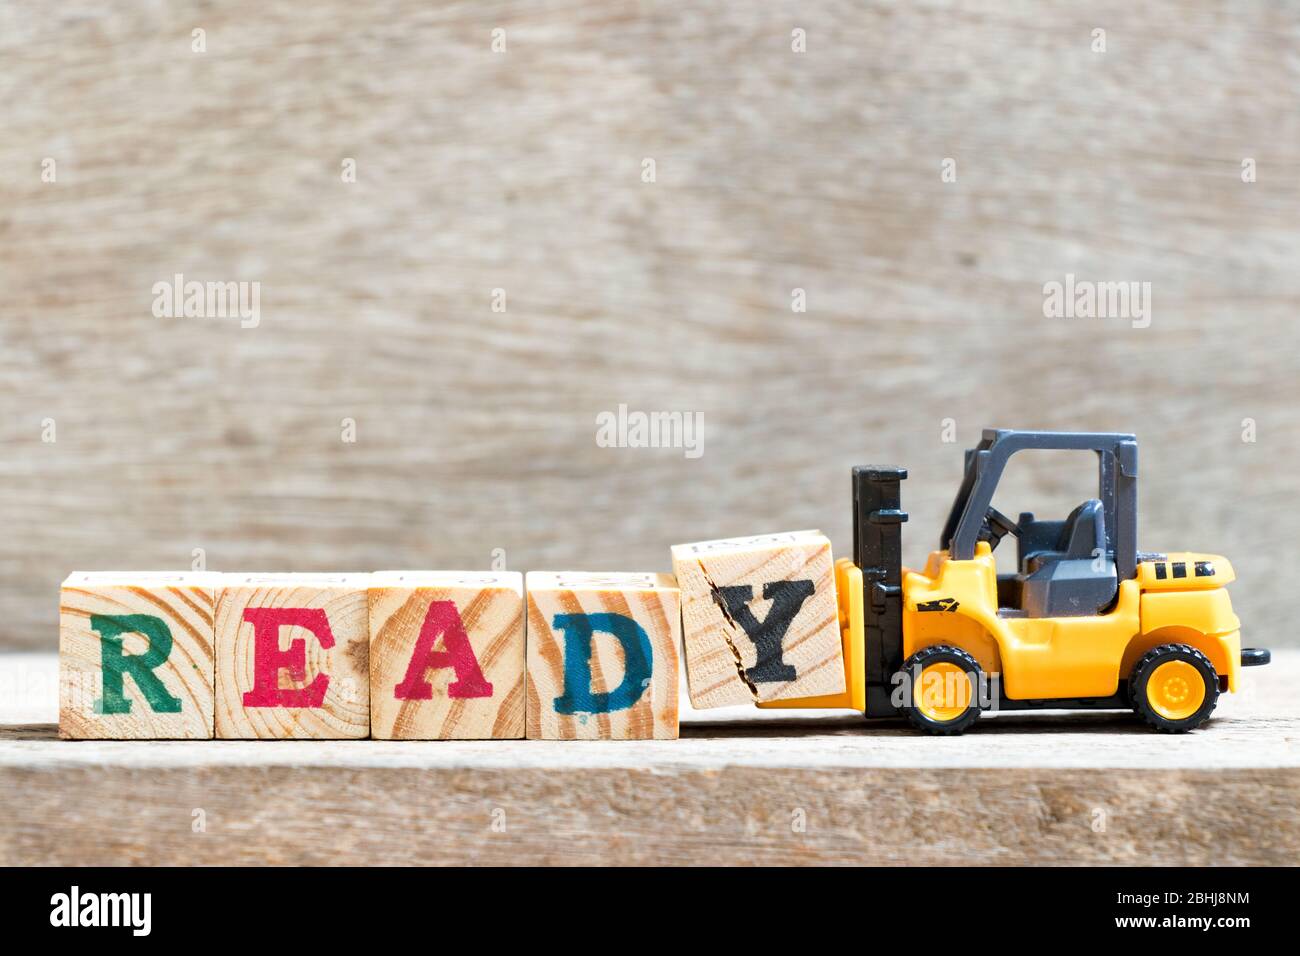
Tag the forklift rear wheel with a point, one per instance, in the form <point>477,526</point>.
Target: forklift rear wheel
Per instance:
<point>1174,688</point>
<point>942,684</point>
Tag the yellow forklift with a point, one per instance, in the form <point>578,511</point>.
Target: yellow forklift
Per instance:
<point>1086,620</point>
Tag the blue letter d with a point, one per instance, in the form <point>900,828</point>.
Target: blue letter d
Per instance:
<point>578,630</point>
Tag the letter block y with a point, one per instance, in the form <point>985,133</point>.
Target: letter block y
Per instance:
<point>759,619</point>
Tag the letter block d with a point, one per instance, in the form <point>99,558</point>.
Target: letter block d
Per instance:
<point>759,619</point>
<point>602,656</point>
<point>292,656</point>
<point>136,655</point>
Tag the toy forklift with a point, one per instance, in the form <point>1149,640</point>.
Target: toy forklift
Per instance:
<point>1087,620</point>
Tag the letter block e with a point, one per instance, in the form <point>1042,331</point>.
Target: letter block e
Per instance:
<point>292,656</point>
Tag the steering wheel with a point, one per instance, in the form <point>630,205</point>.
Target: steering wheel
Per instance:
<point>996,527</point>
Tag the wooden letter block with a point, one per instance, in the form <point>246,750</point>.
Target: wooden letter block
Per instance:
<point>446,655</point>
<point>759,619</point>
<point>292,656</point>
<point>136,655</point>
<point>602,656</point>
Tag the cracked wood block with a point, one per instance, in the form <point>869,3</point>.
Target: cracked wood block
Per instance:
<point>136,655</point>
<point>292,655</point>
<point>602,656</point>
<point>446,655</point>
<point>759,618</point>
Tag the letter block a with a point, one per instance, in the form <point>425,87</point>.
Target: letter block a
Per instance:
<point>136,657</point>
<point>292,656</point>
<point>446,655</point>
<point>602,656</point>
<point>759,619</point>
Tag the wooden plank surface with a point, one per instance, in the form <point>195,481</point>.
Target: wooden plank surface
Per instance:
<point>741,786</point>
<point>521,171</point>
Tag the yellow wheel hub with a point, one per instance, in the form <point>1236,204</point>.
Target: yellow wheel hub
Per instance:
<point>1175,690</point>
<point>943,692</point>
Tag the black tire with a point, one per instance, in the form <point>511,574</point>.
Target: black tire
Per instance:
<point>1146,666</point>
<point>910,674</point>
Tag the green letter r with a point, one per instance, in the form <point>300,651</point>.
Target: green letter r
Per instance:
<point>116,662</point>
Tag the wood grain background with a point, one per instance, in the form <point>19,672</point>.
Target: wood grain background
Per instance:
<point>522,171</point>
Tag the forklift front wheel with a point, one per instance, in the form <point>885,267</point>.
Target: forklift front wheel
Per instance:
<point>941,689</point>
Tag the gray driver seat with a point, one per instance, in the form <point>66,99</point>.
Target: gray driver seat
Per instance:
<point>1077,578</point>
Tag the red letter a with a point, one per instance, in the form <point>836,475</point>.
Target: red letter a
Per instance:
<point>443,619</point>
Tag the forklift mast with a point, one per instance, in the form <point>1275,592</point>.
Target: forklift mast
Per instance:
<point>878,551</point>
